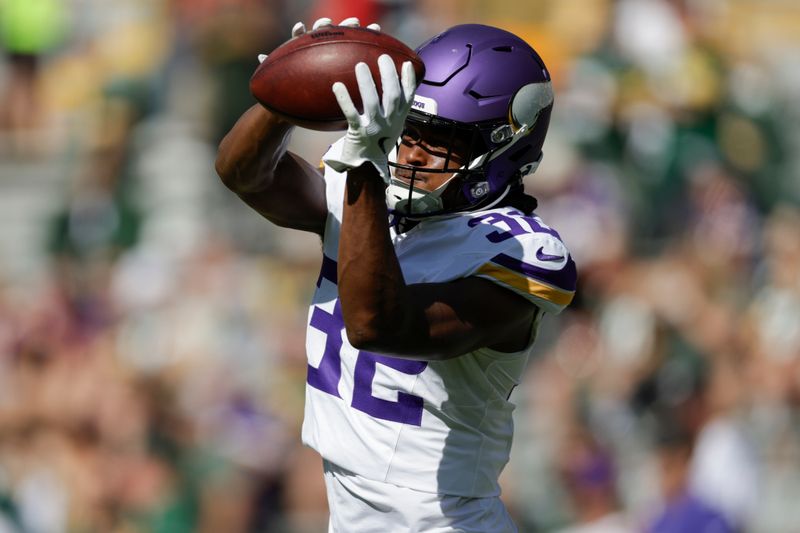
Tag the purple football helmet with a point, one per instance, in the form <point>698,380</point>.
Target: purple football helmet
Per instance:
<point>488,89</point>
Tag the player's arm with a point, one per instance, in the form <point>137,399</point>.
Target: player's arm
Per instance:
<point>253,161</point>
<point>381,312</point>
<point>421,321</point>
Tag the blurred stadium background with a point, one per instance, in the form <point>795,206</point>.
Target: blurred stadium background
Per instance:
<point>152,329</point>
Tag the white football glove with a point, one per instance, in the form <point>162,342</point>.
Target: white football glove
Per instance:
<point>372,135</point>
<point>299,28</point>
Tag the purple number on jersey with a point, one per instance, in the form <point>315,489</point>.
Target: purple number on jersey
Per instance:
<point>408,407</point>
<point>327,375</point>
<point>514,225</point>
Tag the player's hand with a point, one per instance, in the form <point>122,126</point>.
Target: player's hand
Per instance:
<point>299,28</point>
<point>371,135</point>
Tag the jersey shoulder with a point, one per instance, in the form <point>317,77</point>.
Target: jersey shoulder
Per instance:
<point>520,252</point>
<point>334,184</point>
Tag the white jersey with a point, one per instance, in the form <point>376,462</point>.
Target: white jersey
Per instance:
<point>443,427</point>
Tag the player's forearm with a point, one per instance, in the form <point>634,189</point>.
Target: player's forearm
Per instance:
<point>250,152</point>
<point>371,285</point>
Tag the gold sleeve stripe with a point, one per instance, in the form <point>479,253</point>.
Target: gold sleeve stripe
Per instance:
<point>526,284</point>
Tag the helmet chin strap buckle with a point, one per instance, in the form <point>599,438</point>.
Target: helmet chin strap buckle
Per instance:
<point>479,189</point>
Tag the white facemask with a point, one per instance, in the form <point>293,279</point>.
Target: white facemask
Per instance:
<point>417,201</point>
<point>421,202</point>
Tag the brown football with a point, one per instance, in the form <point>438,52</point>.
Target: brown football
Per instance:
<point>296,78</point>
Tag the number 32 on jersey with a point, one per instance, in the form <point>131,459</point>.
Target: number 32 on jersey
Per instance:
<point>326,376</point>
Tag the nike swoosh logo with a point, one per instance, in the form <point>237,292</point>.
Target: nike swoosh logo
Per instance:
<point>541,256</point>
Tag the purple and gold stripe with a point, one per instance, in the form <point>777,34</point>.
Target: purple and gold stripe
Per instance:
<point>556,286</point>
<point>563,279</point>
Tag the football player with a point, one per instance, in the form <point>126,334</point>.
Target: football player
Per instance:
<point>435,274</point>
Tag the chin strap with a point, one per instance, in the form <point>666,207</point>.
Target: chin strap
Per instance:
<point>492,203</point>
<point>402,221</point>
<point>404,197</point>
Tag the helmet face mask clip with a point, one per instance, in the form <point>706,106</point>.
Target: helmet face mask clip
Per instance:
<point>502,133</point>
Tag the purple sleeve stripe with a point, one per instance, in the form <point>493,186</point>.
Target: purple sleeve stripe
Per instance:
<point>327,271</point>
<point>563,279</point>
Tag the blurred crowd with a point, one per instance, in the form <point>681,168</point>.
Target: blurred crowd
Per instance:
<point>152,336</point>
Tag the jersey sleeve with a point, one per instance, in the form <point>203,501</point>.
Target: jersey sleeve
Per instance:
<point>334,186</point>
<point>530,259</point>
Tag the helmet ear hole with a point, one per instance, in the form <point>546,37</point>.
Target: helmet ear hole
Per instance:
<point>528,102</point>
